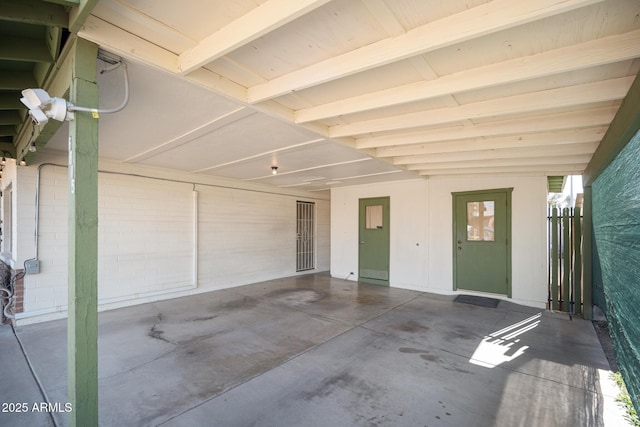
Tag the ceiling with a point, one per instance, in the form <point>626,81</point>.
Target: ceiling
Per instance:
<point>339,92</point>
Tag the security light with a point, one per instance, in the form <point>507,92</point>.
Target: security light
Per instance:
<point>35,98</point>
<point>42,107</point>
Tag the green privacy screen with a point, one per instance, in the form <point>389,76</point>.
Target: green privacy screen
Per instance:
<point>616,230</point>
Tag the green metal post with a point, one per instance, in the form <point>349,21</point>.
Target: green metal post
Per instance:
<point>554,259</point>
<point>577,264</point>
<point>82,323</point>
<point>566,261</point>
<point>587,290</point>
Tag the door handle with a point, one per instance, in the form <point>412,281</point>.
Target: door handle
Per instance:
<point>362,242</point>
<point>459,242</point>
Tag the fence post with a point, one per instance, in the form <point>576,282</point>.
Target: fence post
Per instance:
<point>566,259</point>
<point>554,258</point>
<point>577,265</point>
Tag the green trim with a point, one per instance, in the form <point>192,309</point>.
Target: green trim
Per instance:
<point>34,12</point>
<point>16,80</point>
<point>555,184</point>
<point>24,49</point>
<point>623,127</point>
<point>508,192</point>
<point>10,101</point>
<point>79,14</point>
<point>10,118</point>
<point>386,221</point>
<point>82,323</point>
<point>8,130</point>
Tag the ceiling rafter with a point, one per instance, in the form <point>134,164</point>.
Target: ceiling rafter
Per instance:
<point>16,80</point>
<point>541,139</point>
<point>569,96</point>
<point>124,43</point>
<point>24,49</point>
<point>541,160</point>
<point>499,153</point>
<point>258,22</point>
<point>34,12</point>
<point>507,170</point>
<point>478,21</point>
<point>601,51</point>
<point>561,121</point>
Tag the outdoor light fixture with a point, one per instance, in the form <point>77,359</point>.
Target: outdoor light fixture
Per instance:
<point>274,170</point>
<point>42,107</point>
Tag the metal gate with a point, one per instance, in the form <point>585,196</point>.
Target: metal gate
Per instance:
<point>305,241</point>
<point>565,259</point>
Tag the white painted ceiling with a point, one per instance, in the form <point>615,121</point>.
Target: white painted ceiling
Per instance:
<point>345,92</point>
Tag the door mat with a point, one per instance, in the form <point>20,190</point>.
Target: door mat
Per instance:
<point>474,300</point>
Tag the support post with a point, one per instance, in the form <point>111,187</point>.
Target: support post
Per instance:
<point>554,260</point>
<point>82,323</point>
<point>577,264</point>
<point>587,257</point>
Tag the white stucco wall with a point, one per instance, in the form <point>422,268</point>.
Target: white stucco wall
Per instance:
<point>160,238</point>
<point>421,232</point>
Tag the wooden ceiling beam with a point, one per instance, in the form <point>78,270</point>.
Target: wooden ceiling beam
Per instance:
<point>571,96</point>
<point>16,80</point>
<point>67,3</point>
<point>534,124</point>
<point>8,130</point>
<point>571,169</point>
<point>34,12</point>
<point>10,118</point>
<point>79,14</point>
<point>581,159</point>
<point>615,48</point>
<point>499,153</point>
<point>258,22</point>
<point>123,43</point>
<point>24,49</point>
<point>491,17</point>
<point>10,101</point>
<point>487,143</point>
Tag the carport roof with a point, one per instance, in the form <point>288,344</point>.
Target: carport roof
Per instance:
<point>339,92</point>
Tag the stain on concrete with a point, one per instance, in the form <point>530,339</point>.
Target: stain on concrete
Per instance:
<point>410,326</point>
<point>297,297</point>
<point>463,333</point>
<point>243,303</point>
<point>424,354</point>
<point>372,299</point>
<point>430,358</point>
<point>410,350</point>
<point>360,389</point>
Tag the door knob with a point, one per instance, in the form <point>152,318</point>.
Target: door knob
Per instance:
<point>362,242</point>
<point>459,242</point>
<point>459,248</point>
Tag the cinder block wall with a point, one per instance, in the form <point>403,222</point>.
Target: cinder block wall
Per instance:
<point>161,238</point>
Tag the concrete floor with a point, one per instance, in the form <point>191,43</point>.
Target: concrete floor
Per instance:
<point>317,351</point>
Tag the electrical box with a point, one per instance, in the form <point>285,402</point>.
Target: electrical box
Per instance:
<point>32,266</point>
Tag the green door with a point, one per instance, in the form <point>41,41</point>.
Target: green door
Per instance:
<point>373,255</point>
<point>482,235</point>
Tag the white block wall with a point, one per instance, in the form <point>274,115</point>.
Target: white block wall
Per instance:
<point>421,250</point>
<point>159,238</point>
